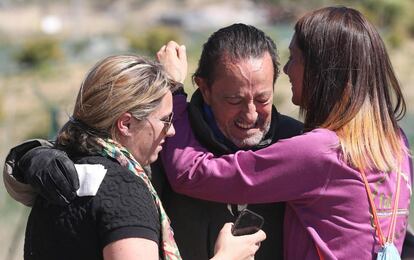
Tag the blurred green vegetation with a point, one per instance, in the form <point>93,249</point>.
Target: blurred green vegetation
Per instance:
<point>150,41</point>
<point>1,107</point>
<point>39,51</point>
<point>40,130</point>
<point>393,17</point>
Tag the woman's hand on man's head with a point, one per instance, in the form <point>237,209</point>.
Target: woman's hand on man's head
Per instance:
<point>174,59</point>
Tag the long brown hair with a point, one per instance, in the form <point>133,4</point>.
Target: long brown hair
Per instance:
<point>350,87</point>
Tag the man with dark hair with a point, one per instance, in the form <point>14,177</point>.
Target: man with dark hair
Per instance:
<point>232,109</point>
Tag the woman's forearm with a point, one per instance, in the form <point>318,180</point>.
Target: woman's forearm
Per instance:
<point>246,176</point>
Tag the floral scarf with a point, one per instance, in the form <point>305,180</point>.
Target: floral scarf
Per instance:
<point>112,149</point>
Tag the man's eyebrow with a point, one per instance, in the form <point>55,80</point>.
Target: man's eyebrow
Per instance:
<point>266,93</point>
<point>237,95</point>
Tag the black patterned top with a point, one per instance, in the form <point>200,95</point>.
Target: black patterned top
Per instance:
<point>122,208</point>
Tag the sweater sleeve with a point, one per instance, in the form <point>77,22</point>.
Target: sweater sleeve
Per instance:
<point>290,169</point>
<point>21,192</point>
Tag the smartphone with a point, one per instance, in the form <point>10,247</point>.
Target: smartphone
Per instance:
<point>248,222</point>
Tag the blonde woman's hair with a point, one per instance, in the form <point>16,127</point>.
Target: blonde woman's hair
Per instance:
<point>115,85</point>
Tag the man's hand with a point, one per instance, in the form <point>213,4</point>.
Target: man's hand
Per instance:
<point>51,173</point>
<point>174,59</point>
<point>236,247</point>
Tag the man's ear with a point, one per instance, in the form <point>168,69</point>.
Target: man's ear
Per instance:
<point>123,124</point>
<point>204,89</point>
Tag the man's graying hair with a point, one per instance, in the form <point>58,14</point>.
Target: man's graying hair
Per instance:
<point>239,41</point>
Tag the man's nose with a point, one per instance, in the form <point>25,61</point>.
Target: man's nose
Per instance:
<point>250,112</point>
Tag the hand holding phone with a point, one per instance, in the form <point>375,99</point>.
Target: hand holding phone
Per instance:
<point>248,222</point>
<point>229,246</point>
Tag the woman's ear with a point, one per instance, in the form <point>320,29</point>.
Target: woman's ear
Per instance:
<point>123,124</point>
<point>204,89</point>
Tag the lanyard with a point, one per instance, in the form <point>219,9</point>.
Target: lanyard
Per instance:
<point>391,231</point>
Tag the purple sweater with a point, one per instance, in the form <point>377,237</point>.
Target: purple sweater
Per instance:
<point>327,204</point>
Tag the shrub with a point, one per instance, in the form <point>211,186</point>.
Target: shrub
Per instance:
<point>410,26</point>
<point>39,51</point>
<point>150,42</point>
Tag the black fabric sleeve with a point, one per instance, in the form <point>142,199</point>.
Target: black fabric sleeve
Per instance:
<point>129,232</point>
<point>124,208</point>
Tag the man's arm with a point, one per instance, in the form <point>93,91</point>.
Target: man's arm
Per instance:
<point>13,178</point>
<point>21,192</point>
<point>33,167</point>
